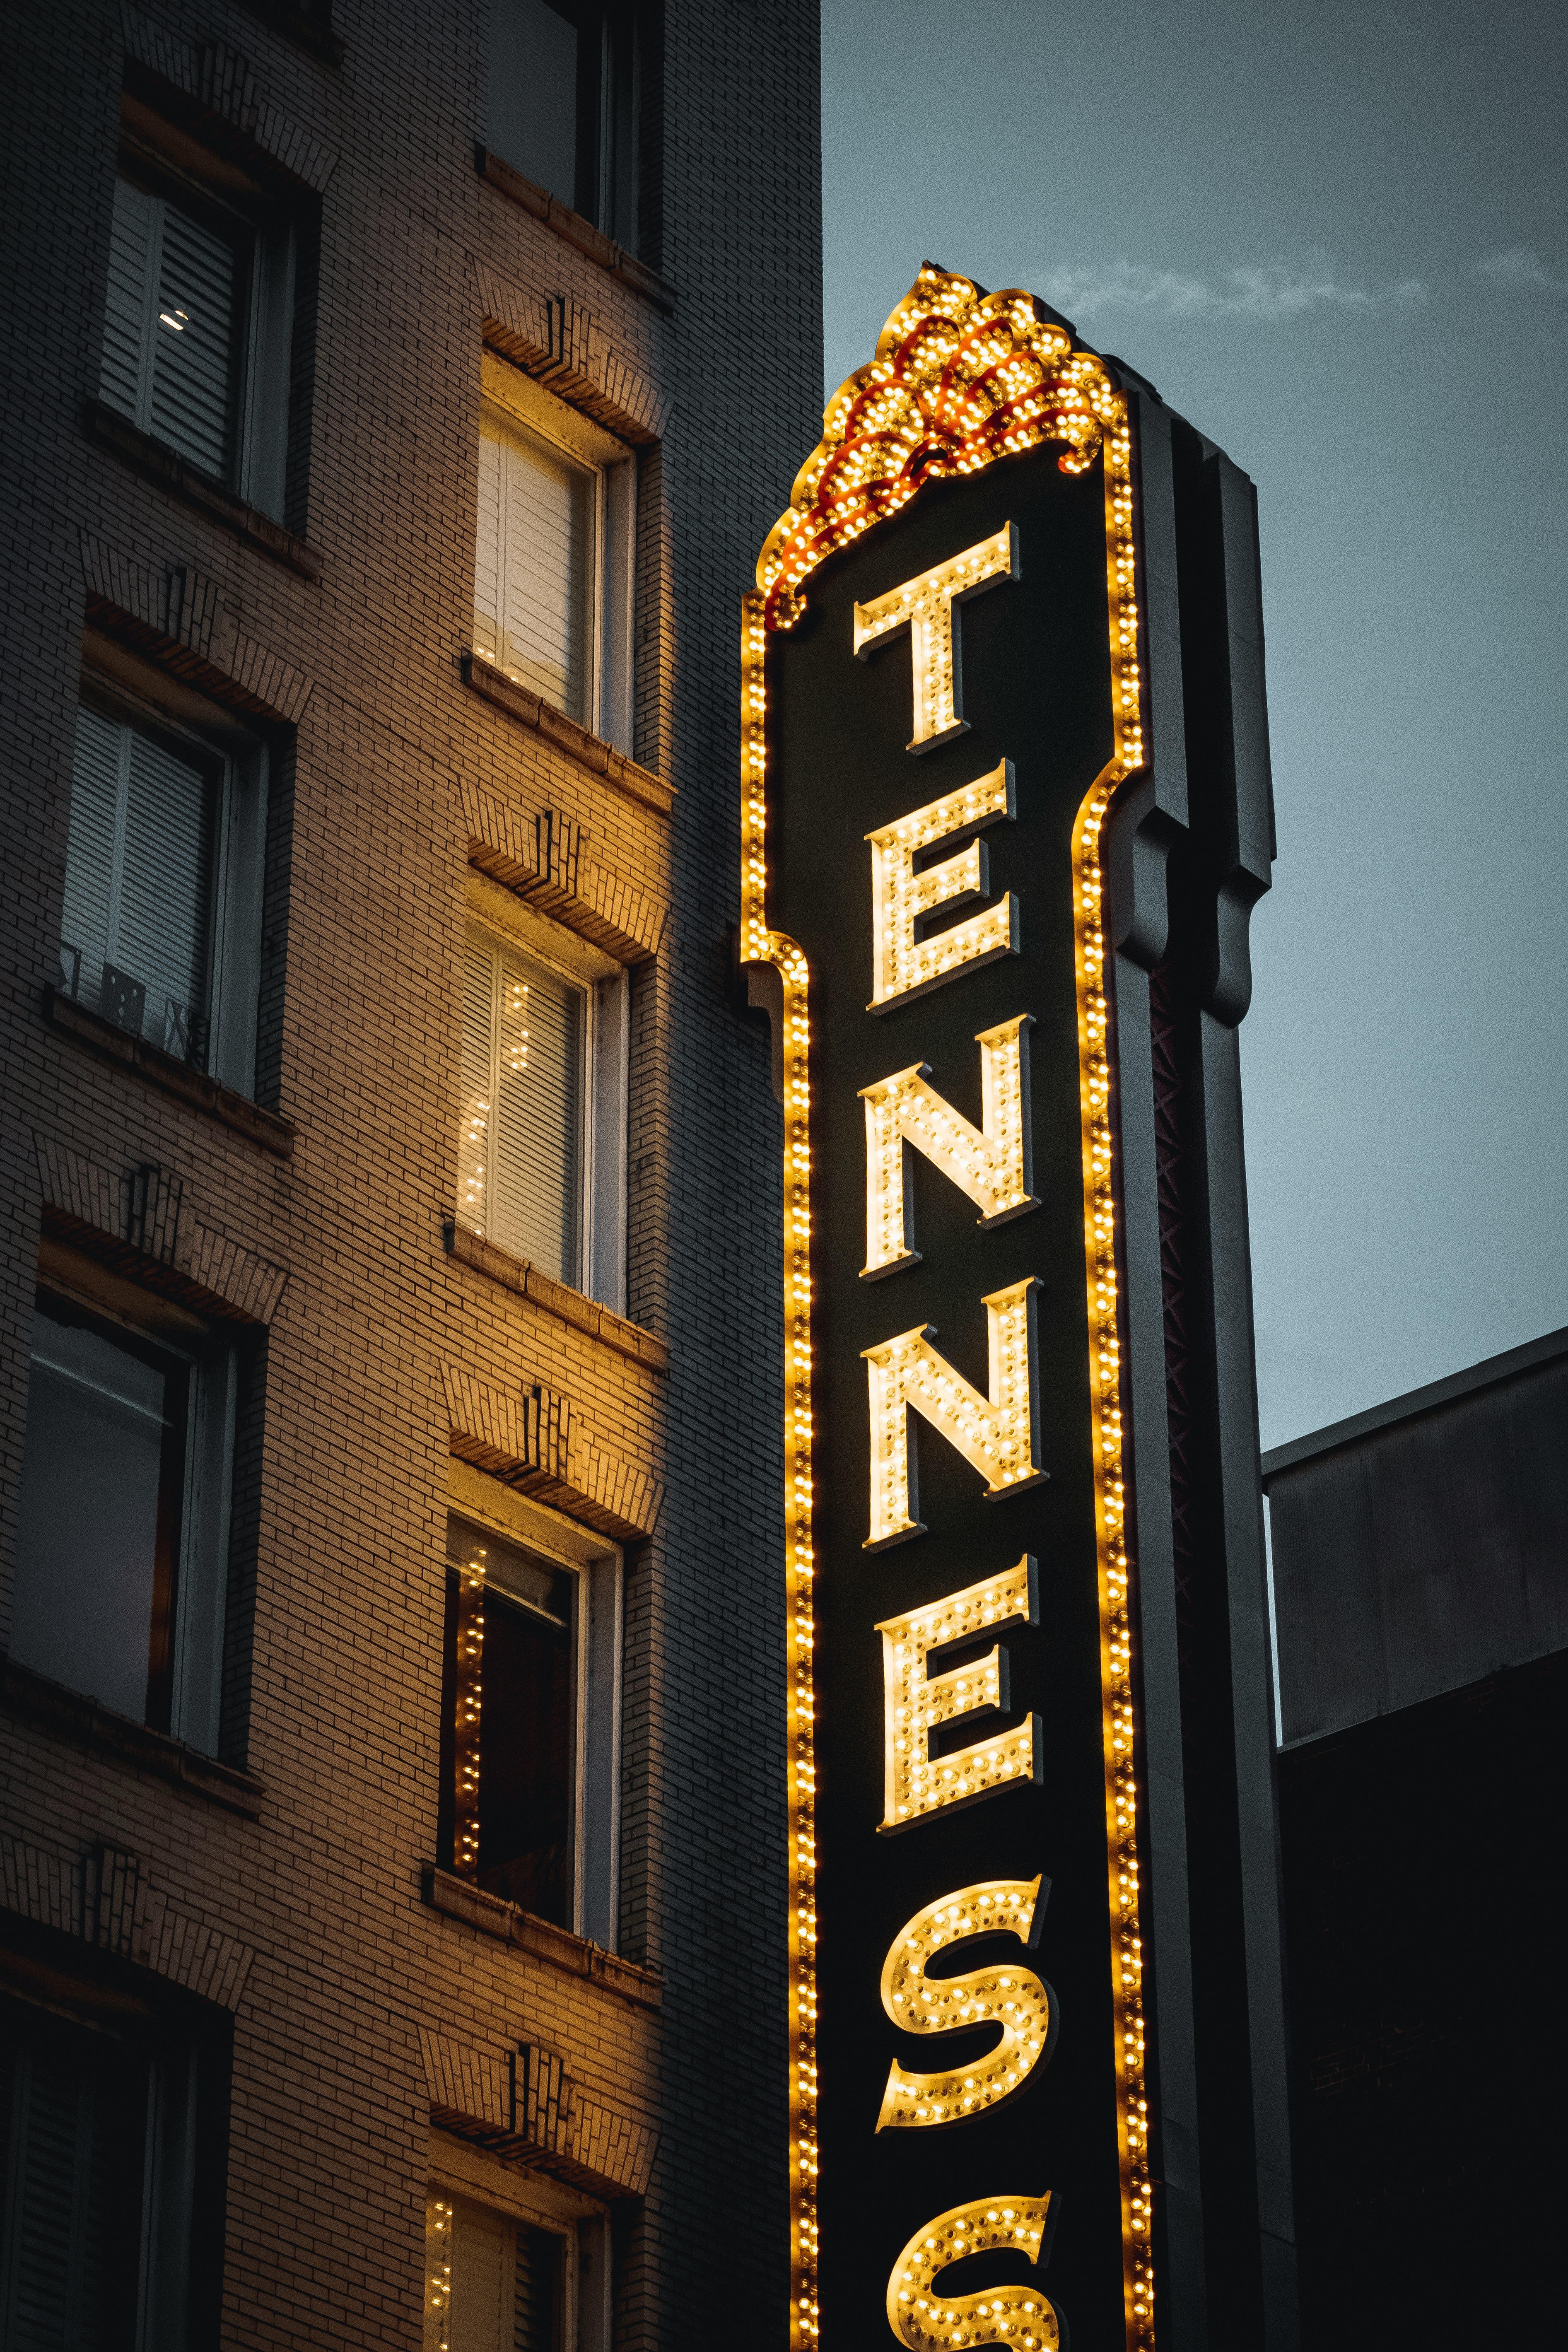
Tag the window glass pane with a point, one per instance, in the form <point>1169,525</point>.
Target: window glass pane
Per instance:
<point>519,1144</point>
<point>71,2129</point>
<point>538,2287</point>
<point>487,540</point>
<point>166,890</point>
<point>526,1721</point>
<point>193,344</point>
<point>525,1760</point>
<point>132,240</point>
<point>546,574</point>
<point>138,884</point>
<point>524,1576</point>
<point>532,115</point>
<point>537,1173</point>
<point>475,1088</point>
<point>98,1515</point>
<point>91,851</point>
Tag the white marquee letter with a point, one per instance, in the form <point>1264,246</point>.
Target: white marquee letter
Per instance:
<point>924,607</point>
<point>1004,1994</point>
<point>915,1704</point>
<point>903,966</point>
<point>998,1435</point>
<point>990,1162</point>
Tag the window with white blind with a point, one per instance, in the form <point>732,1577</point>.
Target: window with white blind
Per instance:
<point>495,2285</point>
<point>198,318</point>
<point>553,583</point>
<point>541,1117</point>
<point>159,929</point>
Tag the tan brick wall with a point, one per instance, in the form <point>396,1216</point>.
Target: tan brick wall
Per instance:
<point>382,757</point>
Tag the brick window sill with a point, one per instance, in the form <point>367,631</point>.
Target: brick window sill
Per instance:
<point>160,464</point>
<point>572,230</point>
<point>601,759</point>
<point>173,1077</point>
<point>584,1314</point>
<point>460,1899</point>
<point>81,1721</point>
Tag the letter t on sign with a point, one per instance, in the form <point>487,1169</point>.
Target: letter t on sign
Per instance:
<point>924,606</point>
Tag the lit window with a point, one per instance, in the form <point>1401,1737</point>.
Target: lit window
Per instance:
<point>521,1177</point>
<point>110,2171</point>
<point>528,1721</point>
<point>493,2284</point>
<point>563,104</point>
<point>553,553</point>
<point>122,1520</point>
<point>160,928</point>
<point>541,1139</point>
<point>197,326</point>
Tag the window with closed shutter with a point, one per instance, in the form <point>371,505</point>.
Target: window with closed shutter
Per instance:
<point>534,575</point>
<point>172,326</point>
<point>72,2110</point>
<point>494,2284</point>
<point>137,922</point>
<point>520,1155</point>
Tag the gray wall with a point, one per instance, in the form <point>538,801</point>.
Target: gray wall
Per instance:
<point>1424,1546</point>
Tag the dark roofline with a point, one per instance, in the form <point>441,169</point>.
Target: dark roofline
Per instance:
<point>1406,1408</point>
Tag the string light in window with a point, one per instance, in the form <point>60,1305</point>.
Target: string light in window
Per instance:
<point>924,606</point>
<point>469,1677</point>
<point>438,2220</point>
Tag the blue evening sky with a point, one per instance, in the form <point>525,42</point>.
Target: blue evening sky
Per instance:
<point>1336,237</point>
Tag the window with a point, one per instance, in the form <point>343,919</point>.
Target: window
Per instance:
<point>160,923</point>
<point>542,1132</point>
<point>495,2285</point>
<point>196,332</point>
<point>122,1518</point>
<point>553,571</point>
<point>563,105</point>
<point>106,2133</point>
<point>531,1710</point>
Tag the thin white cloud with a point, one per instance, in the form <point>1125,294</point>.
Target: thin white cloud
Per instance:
<point>1519,271</point>
<point>1275,289</point>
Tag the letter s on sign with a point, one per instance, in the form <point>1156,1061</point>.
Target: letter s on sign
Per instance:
<point>1020,2316</point>
<point>1003,1994</point>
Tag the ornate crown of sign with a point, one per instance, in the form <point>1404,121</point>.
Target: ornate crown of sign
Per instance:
<point>959,379</point>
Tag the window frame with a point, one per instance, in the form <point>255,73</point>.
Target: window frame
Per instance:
<point>182,2051</point>
<point>601,1272</point>
<point>521,404</point>
<point>461,2172</point>
<point>606,117</point>
<point>239,765</point>
<point>266,238</point>
<point>192,1667</point>
<point>598,1639</point>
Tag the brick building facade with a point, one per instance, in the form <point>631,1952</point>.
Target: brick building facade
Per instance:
<point>308,2067</point>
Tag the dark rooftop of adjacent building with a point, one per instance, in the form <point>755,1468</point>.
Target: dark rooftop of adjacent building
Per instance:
<point>1423,1545</point>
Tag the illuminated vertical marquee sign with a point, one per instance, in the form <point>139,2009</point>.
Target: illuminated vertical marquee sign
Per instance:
<point>943,692</point>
